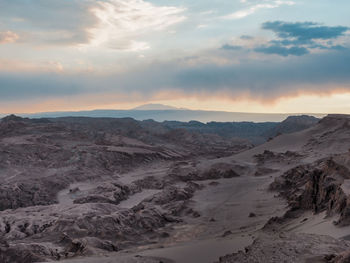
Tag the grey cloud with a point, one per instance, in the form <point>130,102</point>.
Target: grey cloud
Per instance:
<point>231,47</point>
<point>337,47</point>
<point>266,79</point>
<point>53,21</point>
<point>18,86</point>
<point>299,38</point>
<point>271,79</point>
<point>246,37</point>
<point>282,51</point>
<point>288,42</point>
<point>304,31</point>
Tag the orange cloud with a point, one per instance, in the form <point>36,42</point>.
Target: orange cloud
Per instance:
<point>7,65</point>
<point>8,37</point>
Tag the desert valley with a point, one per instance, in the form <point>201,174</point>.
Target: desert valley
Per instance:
<point>80,189</point>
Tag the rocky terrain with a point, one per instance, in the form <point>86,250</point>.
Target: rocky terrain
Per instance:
<point>315,224</point>
<point>120,190</point>
<point>67,188</point>
<point>256,133</point>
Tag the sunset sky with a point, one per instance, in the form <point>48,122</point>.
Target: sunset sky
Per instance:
<point>283,56</point>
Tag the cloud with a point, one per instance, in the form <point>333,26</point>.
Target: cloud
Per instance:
<point>231,47</point>
<point>304,31</point>
<point>282,51</point>
<point>256,7</point>
<point>271,79</point>
<point>123,22</point>
<point>116,24</point>
<point>263,80</point>
<point>8,37</point>
<point>12,65</point>
<point>27,86</point>
<point>301,37</point>
<point>52,22</point>
<point>246,37</point>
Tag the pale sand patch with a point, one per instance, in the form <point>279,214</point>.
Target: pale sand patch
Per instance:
<point>137,198</point>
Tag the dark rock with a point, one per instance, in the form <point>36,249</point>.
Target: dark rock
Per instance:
<point>227,233</point>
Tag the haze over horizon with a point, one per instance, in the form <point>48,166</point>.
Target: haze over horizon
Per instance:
<point>270,56</point>
<point>164,113</point>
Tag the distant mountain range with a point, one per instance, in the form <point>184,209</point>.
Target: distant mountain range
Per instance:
<point>156,107</point>
<point>238,132</point>
<point>159,112</point>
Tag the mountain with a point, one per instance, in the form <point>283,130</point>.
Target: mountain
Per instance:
<point>182,115</point>
<point>292,124</point>
<point>155,107</point>
<point>254,132</point>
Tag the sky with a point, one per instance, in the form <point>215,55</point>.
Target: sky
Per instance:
<point>272,56</point>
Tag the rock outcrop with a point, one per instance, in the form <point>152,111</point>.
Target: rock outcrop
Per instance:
<point>317,187</point>
<point>288,248</point>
